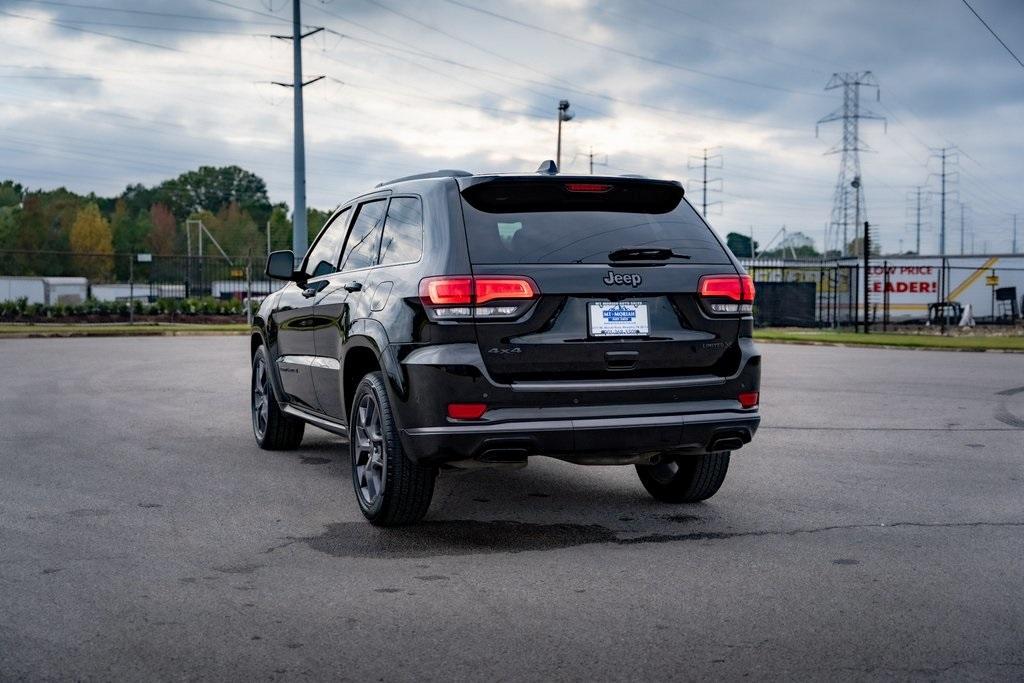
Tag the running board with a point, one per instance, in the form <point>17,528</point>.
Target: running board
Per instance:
<point>320,421</point>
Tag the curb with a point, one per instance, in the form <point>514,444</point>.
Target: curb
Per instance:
<point>900,347</point>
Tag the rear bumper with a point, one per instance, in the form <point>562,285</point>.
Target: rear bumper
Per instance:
<point>590,441</point>
<point>592,422</point>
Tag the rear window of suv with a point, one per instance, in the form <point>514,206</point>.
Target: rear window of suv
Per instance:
<point>570,221</point>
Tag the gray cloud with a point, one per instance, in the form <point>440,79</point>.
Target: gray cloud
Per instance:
<point>116,112</point>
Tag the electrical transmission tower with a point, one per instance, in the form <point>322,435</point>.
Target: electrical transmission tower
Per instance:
<point>300,234</point>
<point>848,202</point>
<point>704,161</point>
<point>948,157</point>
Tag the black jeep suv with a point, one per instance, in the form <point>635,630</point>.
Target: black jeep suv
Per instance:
<point>459,320</point>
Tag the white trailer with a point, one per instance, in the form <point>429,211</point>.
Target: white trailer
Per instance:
<point>44,290</point>
<point>31,288</point>
<point>66,290</point>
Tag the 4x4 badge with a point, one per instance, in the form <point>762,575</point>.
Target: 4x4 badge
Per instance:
<point>613,278</point>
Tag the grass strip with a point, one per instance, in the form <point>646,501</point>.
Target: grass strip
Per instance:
<point>23,330</point>
<point>915,341</point>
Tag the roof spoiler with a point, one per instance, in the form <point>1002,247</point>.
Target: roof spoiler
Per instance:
<point>442,173</point>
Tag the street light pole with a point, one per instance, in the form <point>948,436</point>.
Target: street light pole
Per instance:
<point>563,115</point>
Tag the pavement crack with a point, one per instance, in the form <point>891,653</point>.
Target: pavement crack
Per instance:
<point>291,540</point>
<point>722,535</point>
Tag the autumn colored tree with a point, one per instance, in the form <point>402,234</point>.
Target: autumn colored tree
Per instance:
<point>163,236</point>
<point>235,231</point>
<point>92,242</point>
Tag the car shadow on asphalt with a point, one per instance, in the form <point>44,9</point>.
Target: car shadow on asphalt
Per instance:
<point>545,506</point>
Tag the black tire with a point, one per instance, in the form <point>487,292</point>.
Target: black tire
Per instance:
<point>391,489</point>
<point>273,429</point>
<point>687,479</point>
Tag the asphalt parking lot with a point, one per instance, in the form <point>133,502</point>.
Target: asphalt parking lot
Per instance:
<point>874,529</point>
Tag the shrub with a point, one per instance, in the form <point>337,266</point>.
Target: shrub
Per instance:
<point>21,309</point>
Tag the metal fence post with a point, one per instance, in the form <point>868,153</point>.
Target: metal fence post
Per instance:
<point>248,289</point>
<point>131,289</point>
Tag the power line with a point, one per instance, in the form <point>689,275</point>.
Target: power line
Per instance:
<point>627,53</point>
<point>985,24</point>
<point>122,10</point>
<point>508,77</point>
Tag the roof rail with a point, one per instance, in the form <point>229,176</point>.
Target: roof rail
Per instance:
<point>442,173</point>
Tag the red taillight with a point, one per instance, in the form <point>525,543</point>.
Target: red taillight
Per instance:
<point>466,290</point>
<point>587,187</point>
<point>447,291</point>
<point>749,399</point>
<point>735,287</point>
<point>491,288</point>
<point>466,411</point>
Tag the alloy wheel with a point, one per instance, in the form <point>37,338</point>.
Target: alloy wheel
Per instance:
<point>260,397</point>
<point>370,450</point>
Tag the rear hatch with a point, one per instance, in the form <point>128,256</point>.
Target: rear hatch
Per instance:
<point>590,279</point>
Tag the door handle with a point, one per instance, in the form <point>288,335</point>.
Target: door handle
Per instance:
<point>313,289</point>
<point>353,286</point>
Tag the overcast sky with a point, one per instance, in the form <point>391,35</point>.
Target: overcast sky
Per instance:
<point>414,86</point>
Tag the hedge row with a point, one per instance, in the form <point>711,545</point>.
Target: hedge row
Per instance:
<point>14,310</point>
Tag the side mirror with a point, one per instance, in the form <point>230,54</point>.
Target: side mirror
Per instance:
<point>281,266</point>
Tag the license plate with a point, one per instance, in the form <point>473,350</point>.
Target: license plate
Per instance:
<point>619,319</point>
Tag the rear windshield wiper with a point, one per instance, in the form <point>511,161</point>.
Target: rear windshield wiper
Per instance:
<point>644,254</point>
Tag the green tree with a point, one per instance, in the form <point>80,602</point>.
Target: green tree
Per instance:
<point>92,241</point>
<point>235,231</point>
<point>315,219</point>
<point>280,229</point>
<point>130,229</point>
<point>11,193</point>
<point>10,224</point>
<point>214,188</point>
<point>739,245</point>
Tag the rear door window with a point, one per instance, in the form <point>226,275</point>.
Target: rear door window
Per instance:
<point>403,231</point>
<point>546,222</point>
<point>364,237</point>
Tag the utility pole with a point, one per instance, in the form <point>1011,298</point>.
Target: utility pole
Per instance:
<point>300,234</point>
<point>1014,250</point>
<point>563,115</point>
<point>850,113</point>
<point>590,155</point>
<point>704,161</point>
<point>917,219</point>
<point>947,155</point>
<point>961,228</point>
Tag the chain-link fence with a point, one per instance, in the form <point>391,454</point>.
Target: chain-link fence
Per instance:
<point>789,293</point>
<point>75,277</point>
<point>900,290</point>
